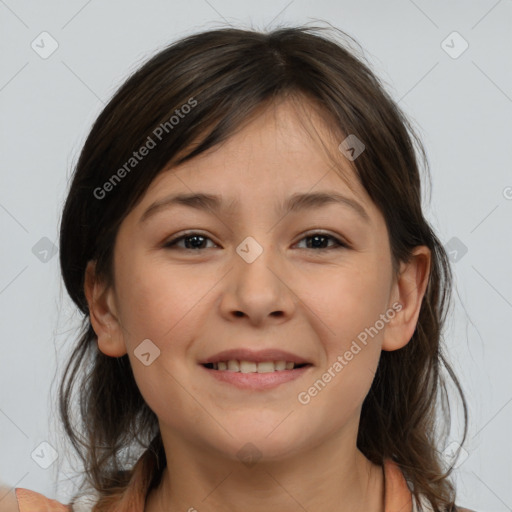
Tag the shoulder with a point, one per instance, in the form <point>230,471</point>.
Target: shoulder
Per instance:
<point>424,506</point>
<point>8,501</point>
<point>32,501</point>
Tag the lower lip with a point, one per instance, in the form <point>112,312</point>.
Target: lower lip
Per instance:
<point>256,381</point>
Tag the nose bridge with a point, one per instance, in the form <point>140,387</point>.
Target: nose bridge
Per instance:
<point>254,262</point>
<point>257,289</point>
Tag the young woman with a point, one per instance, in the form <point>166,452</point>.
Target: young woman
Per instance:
<point>263,297</point>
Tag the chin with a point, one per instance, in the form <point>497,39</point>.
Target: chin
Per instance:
<point>263,440</point>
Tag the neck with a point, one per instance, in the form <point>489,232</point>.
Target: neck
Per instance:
<point>326,478</point>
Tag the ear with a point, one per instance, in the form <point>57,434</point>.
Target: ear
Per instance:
<point>103,314</point>
<point>407,292</point>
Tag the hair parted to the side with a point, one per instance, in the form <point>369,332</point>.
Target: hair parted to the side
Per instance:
<point>232,74</point>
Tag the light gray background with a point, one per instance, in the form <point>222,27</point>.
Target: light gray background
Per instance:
<point>461,107</point>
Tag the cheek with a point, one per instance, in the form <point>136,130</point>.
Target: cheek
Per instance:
<point>345,301</point>
<point>348,308</point>
<point>345,378</point>
<point>156,299</point>
<point>166,393</point>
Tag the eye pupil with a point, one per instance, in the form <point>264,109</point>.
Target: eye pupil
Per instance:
<point>195,244</point>
<point>316,239</point>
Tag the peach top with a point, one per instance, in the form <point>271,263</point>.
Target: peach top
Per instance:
<point>397,496</point>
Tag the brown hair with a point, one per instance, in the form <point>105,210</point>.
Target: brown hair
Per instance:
<point>226,76</point>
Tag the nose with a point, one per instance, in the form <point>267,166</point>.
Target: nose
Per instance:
<point>257,290</point>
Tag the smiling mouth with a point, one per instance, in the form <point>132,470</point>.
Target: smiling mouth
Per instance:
<point>254,367</point>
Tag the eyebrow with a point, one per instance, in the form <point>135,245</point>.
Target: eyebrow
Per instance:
<point>295,203</point>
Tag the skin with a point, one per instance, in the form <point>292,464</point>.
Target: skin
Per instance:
<point>310,301</point>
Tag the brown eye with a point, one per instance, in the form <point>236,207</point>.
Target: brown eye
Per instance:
<point>193,241</point>
<point>319,241</point>
<point>196,241</point>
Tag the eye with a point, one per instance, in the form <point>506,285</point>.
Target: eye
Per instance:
<point>195,241</point>
<point>317,241</point>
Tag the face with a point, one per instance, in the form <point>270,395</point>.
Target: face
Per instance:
<point>315,281</point>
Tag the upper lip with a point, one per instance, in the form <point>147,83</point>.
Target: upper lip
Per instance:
<point>244,354</point>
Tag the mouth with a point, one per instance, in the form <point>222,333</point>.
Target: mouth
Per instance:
<point>242,366</point>
<point>255,370</point>
<point>255,376</point>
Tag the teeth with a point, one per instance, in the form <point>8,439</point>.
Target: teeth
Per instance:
<point>253,367</point>
<point>248,366</point>
<point>233,366</point>
<point>266,367</point>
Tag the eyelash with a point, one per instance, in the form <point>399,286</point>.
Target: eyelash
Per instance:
<point>171,244</point>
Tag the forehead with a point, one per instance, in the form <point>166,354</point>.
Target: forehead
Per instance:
<point>283,147</point>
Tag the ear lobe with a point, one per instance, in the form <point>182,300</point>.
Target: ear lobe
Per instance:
<point>103,314</point>
<point>408,290</point>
